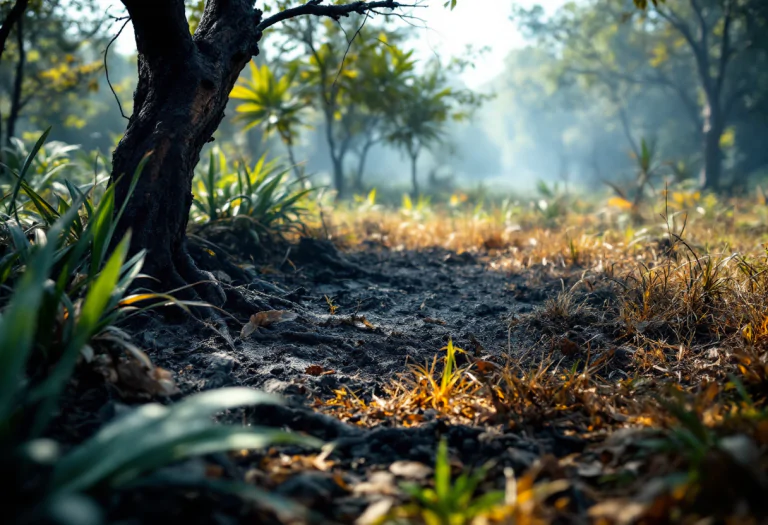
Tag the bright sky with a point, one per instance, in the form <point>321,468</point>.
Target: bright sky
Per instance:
<point>476,22</point>
<point>479,23</point>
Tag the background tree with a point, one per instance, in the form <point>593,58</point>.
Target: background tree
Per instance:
<point>624,53</point>
<point>418,118</point>
<point>51,61</point>
<point>271,103</point>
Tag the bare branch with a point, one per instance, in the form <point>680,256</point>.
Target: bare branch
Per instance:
<point>315,7</point>
<point>17,11</point>
<point>106,66</point>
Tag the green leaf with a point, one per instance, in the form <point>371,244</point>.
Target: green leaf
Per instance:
<point>24,168</point>
<point>154,435</point>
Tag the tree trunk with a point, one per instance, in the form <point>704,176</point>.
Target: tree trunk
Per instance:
<point>414,174</point>
<point>183,86</point>
<point>18,82</point>
<point>361,166</point>
<point>712,153</point>
<point>339,183</point>
<point>292,159</point>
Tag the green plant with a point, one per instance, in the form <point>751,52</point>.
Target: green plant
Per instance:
<point>270,102</point>
<point>259,197</point>
<point>450,502</point>
<point>67,290</point>
<point>553,205</point>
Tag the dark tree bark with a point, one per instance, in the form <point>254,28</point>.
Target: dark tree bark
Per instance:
<point>699,34</point>
<point>712,164</point>
<point>183,86</point>
<point>184,83</point>
<point>361,160</point>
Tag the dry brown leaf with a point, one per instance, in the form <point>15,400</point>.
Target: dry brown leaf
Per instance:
<point>432,320</point>
<point>485,367</point>
<point>568,347</point>
<point>266,318</point>
<point>494,242</point>
<point>317,370</point>
<point>134,376</point>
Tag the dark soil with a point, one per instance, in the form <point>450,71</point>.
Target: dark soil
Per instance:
<point>414,302</point>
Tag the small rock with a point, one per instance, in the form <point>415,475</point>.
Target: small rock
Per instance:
<point>430,414</point>
<point>220,364</point>
<point>741,448</point>
<point>461,258</point>
<point>223,277</point>
<point>276,386</point>
<point>311,489</point>
<point>411,470</point>
<point>147,340</point>
<point>219,380</point>
<point>380,482</point>
<point>483,309</point>
<point>376,512</point>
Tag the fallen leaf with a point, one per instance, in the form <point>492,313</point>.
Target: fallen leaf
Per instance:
<point>266,318</point>
<point>432,320</point>
<point>214,471</point>
<point>133,375</point>
<point>568,347</point>
<point>485,367</point>
<point>411,470</point>
<point>317,370</point>
<point>494,242</point>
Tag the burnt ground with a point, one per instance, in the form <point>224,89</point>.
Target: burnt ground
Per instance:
<point>391,309</point>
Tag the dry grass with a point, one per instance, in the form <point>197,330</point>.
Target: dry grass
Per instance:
<point>672,402</point>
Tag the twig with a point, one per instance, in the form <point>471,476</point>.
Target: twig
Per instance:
<point>314,7</point>
<point>106,67</point>
<point>349,46</point>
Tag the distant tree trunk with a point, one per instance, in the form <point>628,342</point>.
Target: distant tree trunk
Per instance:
<point>292,159</point>
<point>18,82</point>
<point>338,152</point>
<point>413,153</point>
<point>702,34</point>
<point>361,165</point>
<point>712,153</point>
<point>183,87</point>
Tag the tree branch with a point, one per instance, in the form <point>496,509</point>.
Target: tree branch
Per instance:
<point>17,11</point>
<point>315,7</point>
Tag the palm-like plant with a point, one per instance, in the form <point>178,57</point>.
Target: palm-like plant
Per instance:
<point>270,102</point>
<point>418,117</point>
<point>259,196</point>
<point>382,76</point>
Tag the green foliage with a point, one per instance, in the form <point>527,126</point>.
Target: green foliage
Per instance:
<point>59,62</point>
<point>553,206</point>
<point>451,502</point>
<point>67,290</point>
<point>259,197</point>
<point>269,102</point>
<point>83,290</point>
<point>154,435</point>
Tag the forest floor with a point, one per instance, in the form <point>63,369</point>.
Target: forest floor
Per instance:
<point>551,393</point>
